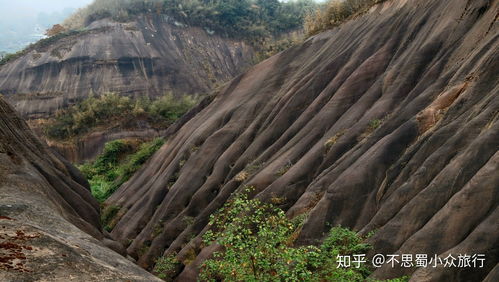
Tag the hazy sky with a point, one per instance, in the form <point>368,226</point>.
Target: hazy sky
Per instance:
<point>24,21</point>
<point>12,9</point>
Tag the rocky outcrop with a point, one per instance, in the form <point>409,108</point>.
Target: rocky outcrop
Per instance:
<point>50,229</point>
<point>149,56</point>
<point>388,123</point>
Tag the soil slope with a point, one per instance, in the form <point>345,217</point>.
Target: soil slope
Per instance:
<point>49,221</point>
<point>388,123</point>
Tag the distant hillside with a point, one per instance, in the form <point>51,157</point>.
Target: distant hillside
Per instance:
<point>141,49</point>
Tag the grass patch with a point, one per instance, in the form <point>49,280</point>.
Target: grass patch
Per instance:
<point>166,267</point>
<point>112,109</point>
<point>335,12</point>
<point>107,216</point>
<point>375,124</point>
<point>284,169</point>
<point>119,161</point>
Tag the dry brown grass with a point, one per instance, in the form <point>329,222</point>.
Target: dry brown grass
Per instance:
<point>334,13</point>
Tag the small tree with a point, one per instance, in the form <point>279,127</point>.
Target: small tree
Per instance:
<point>54,30</point>
<point>258,246</point>
<point>256,237</point>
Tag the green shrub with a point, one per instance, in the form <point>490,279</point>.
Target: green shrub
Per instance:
<point>100,187</point>
<point>9,57</point>
<point>135,161</point>
<point>258,246</point>
<point>374,124</point>
<point>170,108</point>
<point>112,109</point>
<point>166,267</point>
<point>270,47</point>
<point>118,162</point>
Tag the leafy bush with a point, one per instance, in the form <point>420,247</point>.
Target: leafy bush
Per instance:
<point>334,13</point>
<point>114,110</point>
<point>166,267</point>
<point>119,161</point>
<point>135,161</point>
<point>258,246</point>
<point>170,108</point>
<point>375,123</point>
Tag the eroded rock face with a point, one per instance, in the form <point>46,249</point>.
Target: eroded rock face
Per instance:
<point>49,221</point>
<point>149,56</point>
<point>388,122</point>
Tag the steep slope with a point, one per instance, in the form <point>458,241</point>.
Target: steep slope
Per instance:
<point>50,222</point>
<point>148,56</point>
<point>388,123</point>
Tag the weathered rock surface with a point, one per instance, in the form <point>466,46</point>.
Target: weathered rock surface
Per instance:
<point>148,57</point>
<point>388,122</point>
<point>49,222</point>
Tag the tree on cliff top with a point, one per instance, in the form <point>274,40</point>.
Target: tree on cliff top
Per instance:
<point>234,18</point>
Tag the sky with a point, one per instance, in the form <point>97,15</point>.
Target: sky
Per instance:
<point>24,21</point>
<point>10,9</point>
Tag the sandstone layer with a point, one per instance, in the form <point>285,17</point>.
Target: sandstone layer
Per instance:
<point>388,122</point>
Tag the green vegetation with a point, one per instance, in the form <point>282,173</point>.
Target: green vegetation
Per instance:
<point>331,141</point>
<point>115,110</point>
<point>374,124</point>
<point>334,13</point>
<point>371,127</point>
<point>258,246</point>
<point>258,21</point>
<point>248,171</point>
<point>7,57</point>
<point>235,18</point>
<point>166,267</point>
<point>108,215</point>
<point>116,165</point>
<point>284,169</point>
<point>269,47</point>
